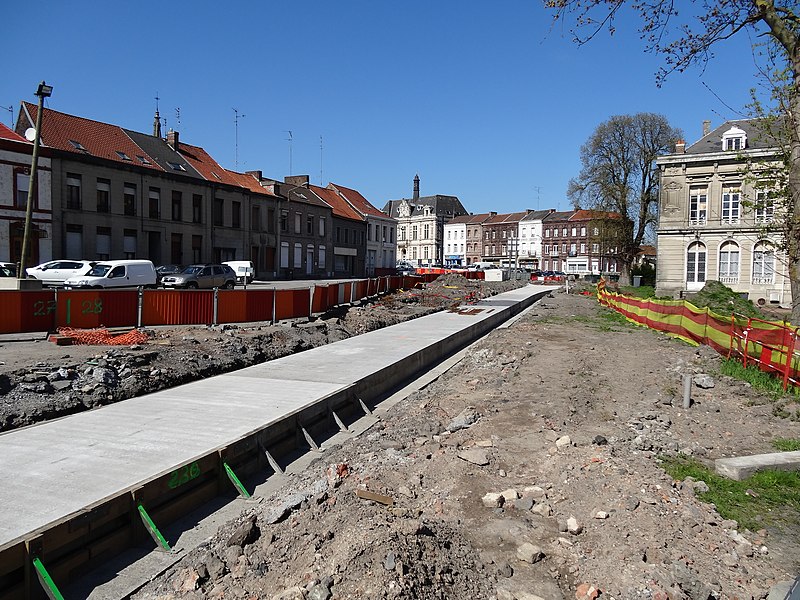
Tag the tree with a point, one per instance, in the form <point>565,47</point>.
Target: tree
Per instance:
<point>688,39</point>
<point>619,177</point>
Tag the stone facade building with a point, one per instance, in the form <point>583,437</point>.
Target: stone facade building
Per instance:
<point>717,219</point>
<point>420,225</point>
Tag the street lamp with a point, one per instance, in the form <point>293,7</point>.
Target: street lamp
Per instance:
<point>42,92</point>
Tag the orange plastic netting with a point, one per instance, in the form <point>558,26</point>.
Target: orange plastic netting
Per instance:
<point>91,337</point>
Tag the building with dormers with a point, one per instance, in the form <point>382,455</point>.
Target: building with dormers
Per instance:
<point>420,225</point>
<point>118,193</point>
<point>717,219</point>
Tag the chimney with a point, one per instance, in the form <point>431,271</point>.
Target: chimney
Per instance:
<point>680,147</point>
<point>257,174</point>
<point>172,140</point>
<point>416,187</point>
<point>706,127</point>
<point>298,180</point>
<point>157,125</point>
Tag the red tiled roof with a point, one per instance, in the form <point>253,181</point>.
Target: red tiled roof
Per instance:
<point>99,139</point>
<point>647,250</point>
<point>250,183</point>
<point>205,165</point>
<point>589,215</point>
<point>339,205</point>
<point>358,201</point>
<point>506,218</point>
<point>8,134</point>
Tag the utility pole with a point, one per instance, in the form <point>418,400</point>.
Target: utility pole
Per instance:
<point>42,92</point>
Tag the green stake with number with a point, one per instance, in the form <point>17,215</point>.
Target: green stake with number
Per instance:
<point>235,481</point>
<point>50,586</point>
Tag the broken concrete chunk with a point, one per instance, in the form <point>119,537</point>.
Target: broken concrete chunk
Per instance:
<point>493,500</point>
<point>563,442</point>
<point>464,419</point>
<point>573,526</point>
<point>476,456</point>
<point>703,381</point>
<point>529,553</point>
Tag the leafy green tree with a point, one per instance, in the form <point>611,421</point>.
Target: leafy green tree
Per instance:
<point>687,38</point>
<point>619,178</point>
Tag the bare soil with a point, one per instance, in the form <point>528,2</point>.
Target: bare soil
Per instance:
<point>531,469</point>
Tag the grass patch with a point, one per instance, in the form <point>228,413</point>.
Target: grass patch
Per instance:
<point>643,291</point>
<point>786,444</point>
<point>760,380</point>
<point>767,499</point>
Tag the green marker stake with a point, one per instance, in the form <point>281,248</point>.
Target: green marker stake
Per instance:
<point>68,309</point>
<point>235,481</point>
<point>151,527</point>
<point>50,586</point>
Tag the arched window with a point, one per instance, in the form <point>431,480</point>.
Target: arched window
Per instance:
<point>763,264</point>
<point>696,266</point>
<point>729,263</point>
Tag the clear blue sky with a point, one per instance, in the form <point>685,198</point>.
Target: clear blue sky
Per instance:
<point>482,99</point>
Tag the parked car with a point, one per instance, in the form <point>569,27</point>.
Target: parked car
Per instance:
<point>405,268</point>
<point>162,270</point>
<point>55,272</point>
<point>8,269</point>
<point>245,273</point>
<point>201,277</point>
<point>115,274</point>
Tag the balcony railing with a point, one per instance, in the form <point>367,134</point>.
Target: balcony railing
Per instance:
<point>697,221</point>
<point>729,279</point>
<point>763,279</point>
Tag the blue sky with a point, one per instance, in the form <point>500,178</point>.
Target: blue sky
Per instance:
<point>484,100</point>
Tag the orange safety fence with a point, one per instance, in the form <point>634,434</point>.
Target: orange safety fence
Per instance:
<point>244,306</point>
<point>319,301</point>
<point>85,309</point>
<point>27,310</point>
<point>771,345</point>
<point>95,337</point>
<point>172,307</point>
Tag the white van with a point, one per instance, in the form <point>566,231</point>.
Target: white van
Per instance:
<point>243,269</point>
<point>482,266</point>
<point>115,274</point>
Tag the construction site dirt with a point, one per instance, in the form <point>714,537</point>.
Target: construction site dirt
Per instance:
<point>530,469</point>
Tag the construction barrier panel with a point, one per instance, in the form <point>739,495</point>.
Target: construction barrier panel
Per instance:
<point>361,291</point>
<point>319,301</point>
<point>769,345</point>
<point>345,292</point>
<point>173,307</point>
<point>27,310</point>
<point>88,309</point>
<point>333,294</point>
<point>290,304</point>
<point>244,306</point>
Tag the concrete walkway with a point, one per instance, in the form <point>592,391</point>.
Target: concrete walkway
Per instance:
<point>54,470</point>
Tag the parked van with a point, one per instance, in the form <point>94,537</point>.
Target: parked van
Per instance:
<point>483,266</point>
<point>115,274</point>
<point>243,269</point>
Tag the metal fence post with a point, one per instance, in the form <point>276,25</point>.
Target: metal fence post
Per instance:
<point>216,302</point>
<point>139,308</point>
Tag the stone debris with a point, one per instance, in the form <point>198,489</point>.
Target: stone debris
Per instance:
<point>476,456</point>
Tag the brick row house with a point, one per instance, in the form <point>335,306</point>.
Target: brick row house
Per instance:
<point>106,192</point>
<point>717,218</point>
<point>580,242</point>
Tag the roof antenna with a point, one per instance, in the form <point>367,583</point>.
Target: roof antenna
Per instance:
<point>538,189</point>
<point>10,110</point>
<point>321,181</point>
<point>289,139</point>
<point>178,116</point>
<point>236,117</point>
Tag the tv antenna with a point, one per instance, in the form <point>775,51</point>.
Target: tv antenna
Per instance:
<point>538,190</point>
<point>321,181</point>
<point>289,139</point>
<point>236,117</point>
<point>178,116</point>
<point>10,110</point>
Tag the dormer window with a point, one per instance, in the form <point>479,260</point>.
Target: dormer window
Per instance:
<point>122,155</point>
<point>176,166</point>
<point>78,146</point>
<point>734,139</point>
<point>142,159</point>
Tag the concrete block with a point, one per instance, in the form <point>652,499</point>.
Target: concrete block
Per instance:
<point>742,467</point>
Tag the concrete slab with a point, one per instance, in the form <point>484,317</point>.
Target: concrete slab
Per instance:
<point>742,467</point>
<point>53,470</point>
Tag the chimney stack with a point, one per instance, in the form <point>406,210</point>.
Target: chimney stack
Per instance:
<point>680,147</point>
<point>298,180</point>
<point>706,127</point>
<point>416,187</point>
<point>172,140</point>
<point>257,174</point>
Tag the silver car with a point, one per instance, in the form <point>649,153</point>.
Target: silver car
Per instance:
<point>55,272</point>
<point>201,277</point>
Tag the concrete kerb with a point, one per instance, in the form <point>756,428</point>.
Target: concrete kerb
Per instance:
<point>742,467</point>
